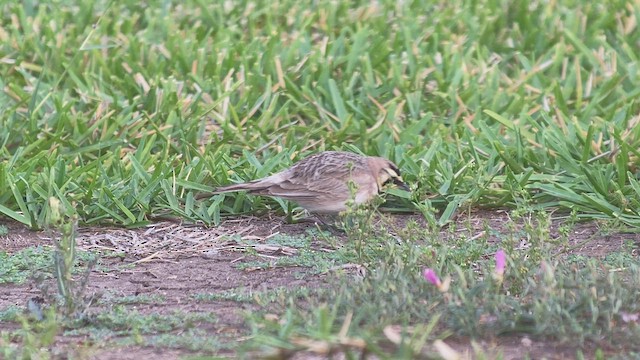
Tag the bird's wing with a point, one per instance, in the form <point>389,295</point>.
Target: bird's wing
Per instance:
<point>296,190</point>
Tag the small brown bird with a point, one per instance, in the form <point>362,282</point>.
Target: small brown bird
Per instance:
<point>321,183</point>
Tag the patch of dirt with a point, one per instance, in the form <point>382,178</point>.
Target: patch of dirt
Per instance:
<point>174,263</point>
<point>177,262</point>
<point>176,283</point>
<point>19,236</point>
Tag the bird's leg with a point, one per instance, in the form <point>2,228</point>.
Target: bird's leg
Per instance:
<point>325,222</point>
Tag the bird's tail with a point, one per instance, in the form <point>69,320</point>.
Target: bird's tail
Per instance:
<point>248,186</point>
<point>252,187</point>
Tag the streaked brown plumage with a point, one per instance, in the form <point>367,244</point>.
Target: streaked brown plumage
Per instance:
<point>320,182</point>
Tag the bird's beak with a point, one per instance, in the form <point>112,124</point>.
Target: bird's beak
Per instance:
<point>400,184</point>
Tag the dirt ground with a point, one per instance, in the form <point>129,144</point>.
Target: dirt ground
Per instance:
<point>177,261</point>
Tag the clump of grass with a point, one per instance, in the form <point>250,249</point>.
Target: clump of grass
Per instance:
<point>35,337</point>
<point>120,321</point>
<point>111,299</point>
<point>17,267</point>
<point>357,223</point>
<point>30,262</point>
<point>262,298</point>
<point>10,313</point>
<point>193,340</point>
<point>47,315</point>
<point>71,293</point>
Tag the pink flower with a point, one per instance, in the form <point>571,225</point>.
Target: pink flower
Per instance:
<point>501,262</point>
<point>432,277</point>
<point>627,317</point>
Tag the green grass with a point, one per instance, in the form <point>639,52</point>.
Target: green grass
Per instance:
<point>192,339</point>
<point>10,313</point>
<point>111,299</point>
<point>17,267</point>
<point>118,325</point>
<point>143,109</point>
<point>124,112</point>
<point>121,321</point>
<point>261,298</point>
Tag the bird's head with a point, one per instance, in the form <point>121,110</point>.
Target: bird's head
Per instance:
<point>388,173</point>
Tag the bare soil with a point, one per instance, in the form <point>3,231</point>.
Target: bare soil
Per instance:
<point>177,262</point>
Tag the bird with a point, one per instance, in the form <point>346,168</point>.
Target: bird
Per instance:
<point>326,182</point>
